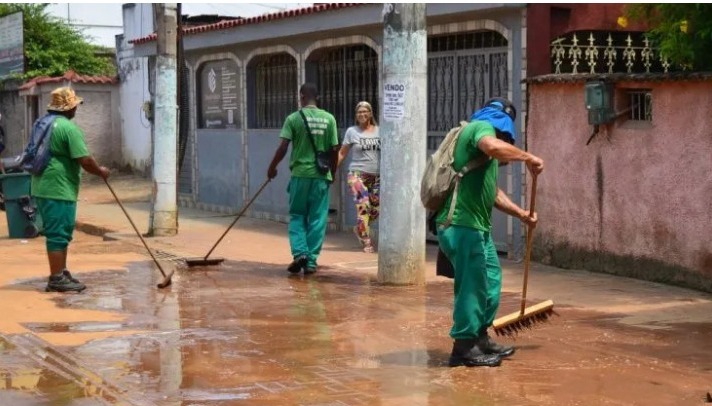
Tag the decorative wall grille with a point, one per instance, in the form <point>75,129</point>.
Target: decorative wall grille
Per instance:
<point>346,76</point>
<point>606,52</point>
<point>275,90</point>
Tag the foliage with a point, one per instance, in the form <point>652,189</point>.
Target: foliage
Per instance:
<point>682,32</point>
<point>53,47</point>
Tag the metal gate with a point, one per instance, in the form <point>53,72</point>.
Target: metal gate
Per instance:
<point>464,70</point>
<point>344,76</point>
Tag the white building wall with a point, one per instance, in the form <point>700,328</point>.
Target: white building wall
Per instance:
<point>133,77</point>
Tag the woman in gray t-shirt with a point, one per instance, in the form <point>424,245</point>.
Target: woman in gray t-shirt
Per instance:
<point>363,177</point>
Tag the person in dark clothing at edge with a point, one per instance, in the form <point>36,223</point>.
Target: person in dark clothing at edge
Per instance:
<point>467,241</point>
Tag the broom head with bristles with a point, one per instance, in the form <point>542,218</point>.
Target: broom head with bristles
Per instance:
<point>513,323</point>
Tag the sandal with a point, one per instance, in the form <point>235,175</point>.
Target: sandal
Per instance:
<point>358,236</point>
<point>368,246</point>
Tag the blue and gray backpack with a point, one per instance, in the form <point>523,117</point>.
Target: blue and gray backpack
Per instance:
<point>37,153</point>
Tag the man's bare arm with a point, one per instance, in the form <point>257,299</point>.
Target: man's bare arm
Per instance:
<point>279,155</point>
<point>506,152</point>
<point>90,165</point>
<point>504,204</point>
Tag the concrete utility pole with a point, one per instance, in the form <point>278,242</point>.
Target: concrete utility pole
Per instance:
<point>401,246</point>
<point>164,213</point>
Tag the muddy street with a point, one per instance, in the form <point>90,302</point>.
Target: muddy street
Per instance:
<point>246,333</point>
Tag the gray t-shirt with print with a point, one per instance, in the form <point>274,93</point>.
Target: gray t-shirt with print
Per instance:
<point>365,149</point>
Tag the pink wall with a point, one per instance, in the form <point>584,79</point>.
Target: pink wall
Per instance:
<point>637,201</point>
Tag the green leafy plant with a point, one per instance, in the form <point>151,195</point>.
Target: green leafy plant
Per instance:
<point>53,47</point>
<point>682,32</point>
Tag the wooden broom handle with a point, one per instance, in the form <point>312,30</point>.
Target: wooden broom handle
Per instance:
<point>528,254</point>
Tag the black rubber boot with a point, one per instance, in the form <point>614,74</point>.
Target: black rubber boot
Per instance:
<point>467,353</point>
<point>488,346</point>
<point>62,283</point>
<point>297,265</point>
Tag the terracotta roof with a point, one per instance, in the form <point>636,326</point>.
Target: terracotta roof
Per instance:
<point>280,15</point>
<point>70,76</point>
<point>620,77</point>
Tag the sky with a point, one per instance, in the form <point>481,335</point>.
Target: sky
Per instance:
<point>102,21</point>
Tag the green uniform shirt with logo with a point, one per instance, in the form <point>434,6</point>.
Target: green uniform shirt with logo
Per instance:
<point>323,128</point>
<point>478,188</point>
<point>60,179</point>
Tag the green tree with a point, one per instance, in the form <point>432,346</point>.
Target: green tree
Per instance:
<point>53,47</point>
<point>682,32</point>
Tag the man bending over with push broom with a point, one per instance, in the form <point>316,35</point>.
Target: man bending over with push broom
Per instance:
<point>467,240</point>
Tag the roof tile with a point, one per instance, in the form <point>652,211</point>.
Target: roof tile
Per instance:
<point>253,20</point>
<point>70,76</point>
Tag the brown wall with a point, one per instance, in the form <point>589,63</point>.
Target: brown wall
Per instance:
<point>634,202</point>
<point>97,117</point>
<point>548,21</point>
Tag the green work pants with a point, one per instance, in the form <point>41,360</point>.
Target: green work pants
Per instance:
<point>58,219</point>
<point>308,216</point>
<point>478,279</point>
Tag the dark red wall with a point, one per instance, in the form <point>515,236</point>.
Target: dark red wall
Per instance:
<point>545,22</point>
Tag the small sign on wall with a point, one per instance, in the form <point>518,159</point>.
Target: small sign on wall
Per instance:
<point>219,95</point>
<point>393,101</point>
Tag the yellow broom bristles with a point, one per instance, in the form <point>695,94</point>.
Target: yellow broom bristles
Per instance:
<point>512,323</point>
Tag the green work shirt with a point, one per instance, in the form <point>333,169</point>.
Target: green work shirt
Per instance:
<point>323,129</point>
<point>60,179</point>
<point>478,188</point>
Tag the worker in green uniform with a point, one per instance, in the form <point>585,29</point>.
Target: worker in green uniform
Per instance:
<point>56,189</point>
<point>467,241</point>
<point>309,185</point>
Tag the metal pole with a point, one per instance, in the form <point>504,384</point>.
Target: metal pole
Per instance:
<point>401,246</point>
<point>164,213</point>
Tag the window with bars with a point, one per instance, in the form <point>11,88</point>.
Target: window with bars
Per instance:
<point>344,77</point>
<point>273,90</point>
<point>640,103</point>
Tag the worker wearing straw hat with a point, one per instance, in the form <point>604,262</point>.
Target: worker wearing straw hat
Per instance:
<point>57,187</point>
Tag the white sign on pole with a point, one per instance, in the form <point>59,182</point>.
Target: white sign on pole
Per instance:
<point>394,101</point>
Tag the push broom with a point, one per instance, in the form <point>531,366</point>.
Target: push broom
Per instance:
<point>526,317</point>
<point>206,261</point>
<point>166,276</point>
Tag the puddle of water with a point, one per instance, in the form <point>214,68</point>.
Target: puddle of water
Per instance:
<point>25,383</point>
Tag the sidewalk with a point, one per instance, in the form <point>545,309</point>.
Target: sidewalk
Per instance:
<point>246,333</point>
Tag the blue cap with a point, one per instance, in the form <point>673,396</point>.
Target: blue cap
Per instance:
<point>496,113</point>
